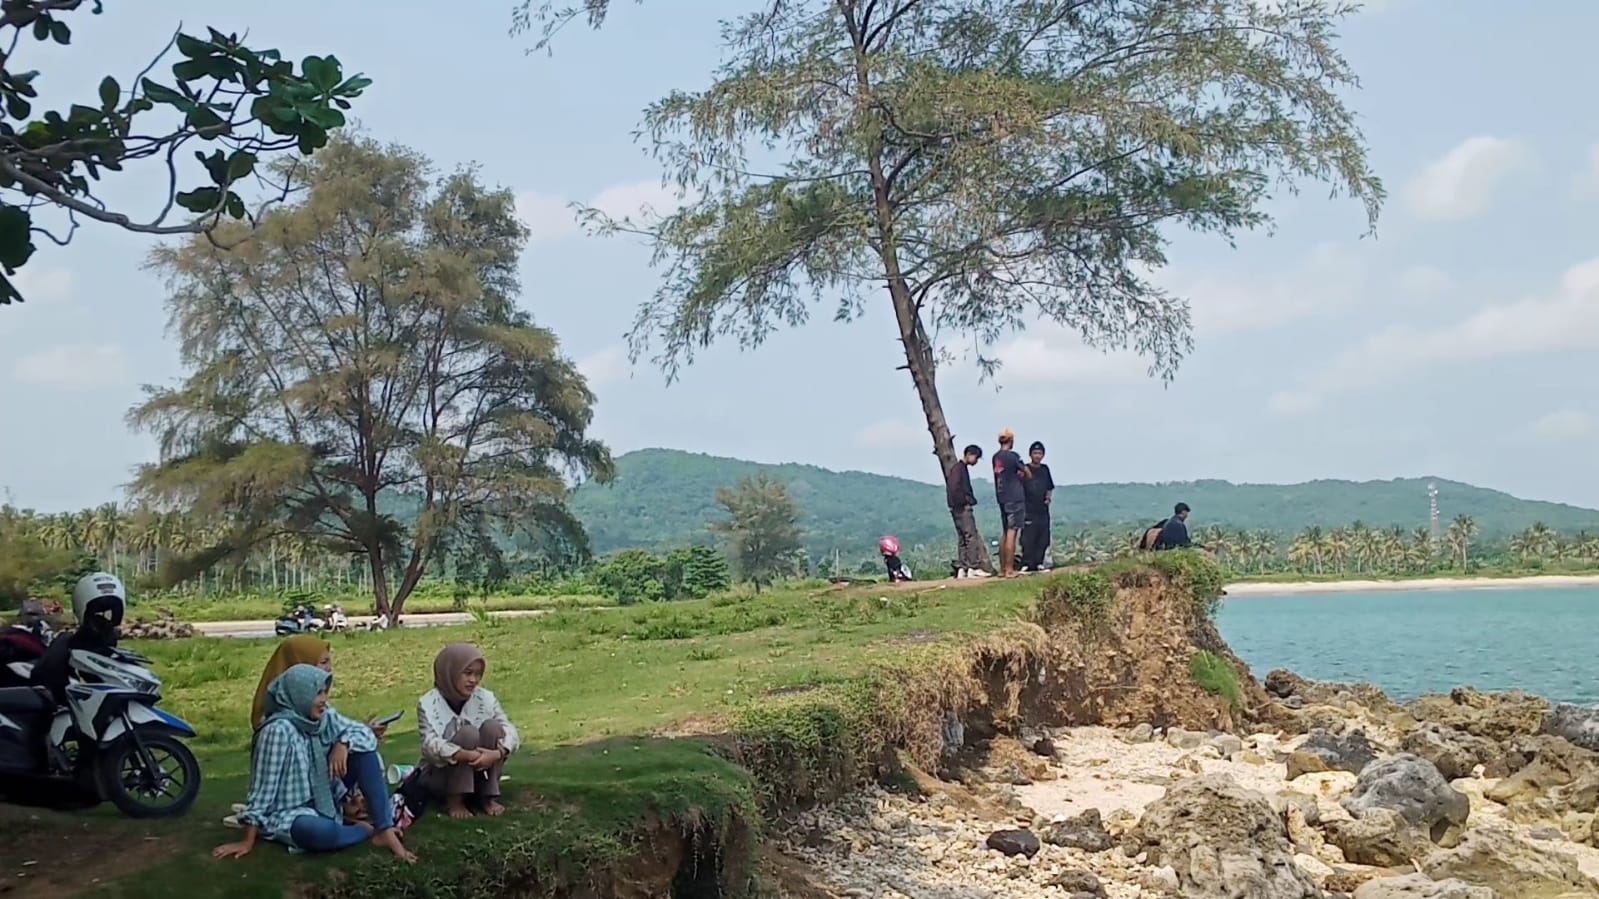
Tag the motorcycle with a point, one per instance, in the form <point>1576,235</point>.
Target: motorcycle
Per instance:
<point>336,620</point>
<point>108,743</point>
<point>300,621</point>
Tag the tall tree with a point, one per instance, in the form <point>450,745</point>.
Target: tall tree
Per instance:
<point>365,351</point>
<point>761,529</point>
<point>980,165</point>
<point>239,103</point>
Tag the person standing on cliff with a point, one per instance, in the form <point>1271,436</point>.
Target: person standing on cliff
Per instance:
<point>1040,490</point>
<point>1009,473</point>
<point>962,503</point>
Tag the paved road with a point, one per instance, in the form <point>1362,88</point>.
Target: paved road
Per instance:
<point>258,629</point>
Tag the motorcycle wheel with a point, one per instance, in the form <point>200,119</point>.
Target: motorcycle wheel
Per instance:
<point>128,782</point>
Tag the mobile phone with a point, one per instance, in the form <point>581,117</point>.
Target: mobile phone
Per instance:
<point>385,722</point>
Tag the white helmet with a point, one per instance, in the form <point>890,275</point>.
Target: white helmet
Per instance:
<point>97,593</point>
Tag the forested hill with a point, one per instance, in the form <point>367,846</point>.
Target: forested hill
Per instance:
<point>664,498</point>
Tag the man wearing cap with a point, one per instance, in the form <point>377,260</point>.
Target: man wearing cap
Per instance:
<point>1009,472</point>
<point>1040,489</point>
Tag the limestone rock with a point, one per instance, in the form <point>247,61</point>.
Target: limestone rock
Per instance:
<point>1079,883</point>
<point>1577,723</point>
<point>1550,763</point>
<point>1350,752</point>
<point>1420,886</point>
<point>1301,763</point>
<point>1221,840</point>
<point>1515,867</point>
<point>1455,753</point>
<point>1085,831</point>
<point>1380,837</point>
<point>1143,733</point>
<point>1494,716</point>
<point>1412,787</point>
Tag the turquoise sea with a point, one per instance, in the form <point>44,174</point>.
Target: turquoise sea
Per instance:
<point>1542,640</point>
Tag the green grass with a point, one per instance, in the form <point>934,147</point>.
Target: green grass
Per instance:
<point>568,679</point>
<point>1216,676</point>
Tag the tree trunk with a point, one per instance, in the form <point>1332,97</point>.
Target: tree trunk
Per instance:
<point>919,355</point>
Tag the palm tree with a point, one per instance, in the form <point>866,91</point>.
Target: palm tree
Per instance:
<point>1461,532</point>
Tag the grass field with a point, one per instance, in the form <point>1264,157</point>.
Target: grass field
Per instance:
<point>587,689</point>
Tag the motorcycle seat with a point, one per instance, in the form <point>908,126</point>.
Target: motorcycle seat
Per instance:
<point>26,700</point>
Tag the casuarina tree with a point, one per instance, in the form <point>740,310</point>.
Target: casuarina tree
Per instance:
<point>979,165</point>
<point>761,529</point>
<point>226,103</point>
<point>365,353</point>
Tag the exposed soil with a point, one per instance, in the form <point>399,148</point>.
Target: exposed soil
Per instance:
<point>100,850</point>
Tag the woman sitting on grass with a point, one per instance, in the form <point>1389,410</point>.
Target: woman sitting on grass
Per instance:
<point>301,649</point>
<point>466,736</point>
<point>300,751</point>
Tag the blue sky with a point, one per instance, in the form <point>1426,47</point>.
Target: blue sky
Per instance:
<point>1456,343</point>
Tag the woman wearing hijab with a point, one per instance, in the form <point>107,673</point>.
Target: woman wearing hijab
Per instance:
<point>302,752</point>
<point>466,736</point>
<point>301,649</point>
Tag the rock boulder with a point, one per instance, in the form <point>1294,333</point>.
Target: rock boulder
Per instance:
<point>1420,886</point>
<point>1412,787</point>
<point>1221,840</point>
<point>1514,867</point>
<point>1455,752</point>
<point>1577,723</point>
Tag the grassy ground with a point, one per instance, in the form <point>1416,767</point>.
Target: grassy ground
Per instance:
<point>586,688</point>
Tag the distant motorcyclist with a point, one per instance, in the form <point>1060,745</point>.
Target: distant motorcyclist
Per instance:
<point>98,602</point>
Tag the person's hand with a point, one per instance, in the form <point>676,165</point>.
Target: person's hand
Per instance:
<point>380,731</point>
<point>232,850</point>
<point>339,761</point>
<point>487,758</point>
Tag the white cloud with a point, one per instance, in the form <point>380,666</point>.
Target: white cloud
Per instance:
<point>892,433</point>
<point>606,366</point>
<point>1049,354</point>
<point>73,367</point>
<point>1424,280</point>
<point>551,218</point>
<point>1462,182</point>
<point>1564,425</point>
<point>1566,319</point>
<point>41,288</point>
<point>1588,181</point>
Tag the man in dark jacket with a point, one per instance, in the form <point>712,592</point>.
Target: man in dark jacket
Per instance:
<point>1009,473</point>
<point>1040,490</point>
<point>1174,530</point>
<point>958,493</point>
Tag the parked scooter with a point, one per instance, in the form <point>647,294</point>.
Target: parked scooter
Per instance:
<point>302,620</point>
<point>337,621</point>
<point>109,742</point>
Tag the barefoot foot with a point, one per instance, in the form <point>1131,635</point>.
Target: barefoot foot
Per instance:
<point>456,808</point>
<point>390,840</point>
<point>493,808</point>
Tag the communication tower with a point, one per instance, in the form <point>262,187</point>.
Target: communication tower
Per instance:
<point>1432,504</point>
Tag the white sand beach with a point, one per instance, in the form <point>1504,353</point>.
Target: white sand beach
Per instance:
<point>1431,583</point>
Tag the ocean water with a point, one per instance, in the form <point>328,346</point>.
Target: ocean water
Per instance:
<point>1542,640</point>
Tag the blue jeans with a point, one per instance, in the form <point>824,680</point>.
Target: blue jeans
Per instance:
<point>314,833</point>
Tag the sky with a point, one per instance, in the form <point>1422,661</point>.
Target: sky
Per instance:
<point>1454,343</point>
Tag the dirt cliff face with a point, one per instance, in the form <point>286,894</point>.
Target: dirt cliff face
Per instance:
<point>1121,648</point>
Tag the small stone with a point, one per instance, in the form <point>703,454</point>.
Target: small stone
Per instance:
<point>1249,757</point>
<point>1086,832</point>
<point>1226,745</point>
<point>1300,763</point>
<point>1079,883</point>
<point>1045,747</point>
<point>1143,733</point>
<point>1547,833</point>
<point>1165,878</point>
<point>1183,739</point>
<point>1014,842</point>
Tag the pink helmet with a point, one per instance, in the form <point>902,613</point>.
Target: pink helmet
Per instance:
<point>889,546</point>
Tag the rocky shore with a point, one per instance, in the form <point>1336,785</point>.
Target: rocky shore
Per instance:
<point>1334,790</point>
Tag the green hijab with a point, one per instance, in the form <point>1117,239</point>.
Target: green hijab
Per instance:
<point>290,698</point>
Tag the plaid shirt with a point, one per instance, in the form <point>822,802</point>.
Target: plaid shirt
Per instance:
<point>280,779</point>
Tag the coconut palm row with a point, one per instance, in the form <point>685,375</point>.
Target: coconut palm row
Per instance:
<point>1357,549</point>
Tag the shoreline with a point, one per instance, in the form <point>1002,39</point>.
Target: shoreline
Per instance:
<point>1297,588</point>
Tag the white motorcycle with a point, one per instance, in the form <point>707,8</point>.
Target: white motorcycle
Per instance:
<point>108,743</point>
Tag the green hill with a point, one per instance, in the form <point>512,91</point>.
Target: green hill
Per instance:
<point>664,498</point>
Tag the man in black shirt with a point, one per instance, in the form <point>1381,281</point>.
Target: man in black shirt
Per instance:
<point>958,492</point>
<point>1039,489</point>
<point>1174,530</point>
<point>1009,472</point>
